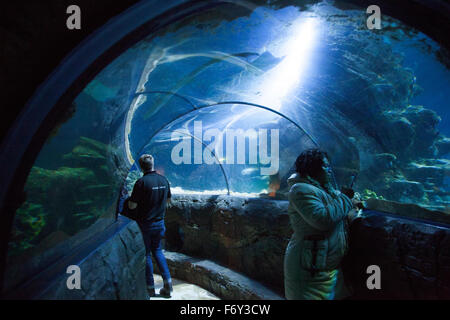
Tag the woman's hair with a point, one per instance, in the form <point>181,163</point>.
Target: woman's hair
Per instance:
<point>310,162</point>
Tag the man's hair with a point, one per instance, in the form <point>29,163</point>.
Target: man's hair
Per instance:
<point>310,162</point>
<point>146,162</point>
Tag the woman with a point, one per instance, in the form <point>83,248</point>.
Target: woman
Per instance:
<point>318,214</point>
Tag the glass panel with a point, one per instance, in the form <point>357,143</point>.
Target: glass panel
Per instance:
<point>154,112</point>
<point>72,189</point>
<point>322,68</point>
<point>210,148</point>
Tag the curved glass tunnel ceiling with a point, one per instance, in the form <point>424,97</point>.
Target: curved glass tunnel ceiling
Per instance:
<point>226,100</point>
<point>334,82</point>
<point>215,141</point>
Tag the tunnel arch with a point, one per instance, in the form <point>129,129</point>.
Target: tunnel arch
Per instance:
<point>225,103</point>
<point>13,151</point>
<point>218,104</point>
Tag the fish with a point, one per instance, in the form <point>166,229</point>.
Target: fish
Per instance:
<point>248,171</point>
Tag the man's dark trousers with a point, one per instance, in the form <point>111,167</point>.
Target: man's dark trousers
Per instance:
<point>153,232</point>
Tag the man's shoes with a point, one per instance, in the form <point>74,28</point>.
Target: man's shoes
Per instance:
<point>151,291</point>
<point>166,290</point>
<point>165,293</point>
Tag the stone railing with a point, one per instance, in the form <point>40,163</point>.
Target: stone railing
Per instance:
<point>249,235</point>
<point>234,247</point>
<point>246,235</point>
<point>113,270</point>
<point>413,257</point>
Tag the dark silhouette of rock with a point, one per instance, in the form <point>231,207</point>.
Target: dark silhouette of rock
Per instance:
<point>443,146</point>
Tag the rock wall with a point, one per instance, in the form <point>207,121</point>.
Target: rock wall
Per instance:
<point>414,258</point>
<point>250,236</point>
<point>246,235</point>
<point>115,270</point>
<point>412,166</point>
<point>223,282</point>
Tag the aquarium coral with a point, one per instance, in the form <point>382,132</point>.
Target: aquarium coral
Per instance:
<point>68,199</point>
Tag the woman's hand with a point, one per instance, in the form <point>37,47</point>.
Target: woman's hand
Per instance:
<point>357,202</point>
<point>353,214</point>
<point>349,192</point>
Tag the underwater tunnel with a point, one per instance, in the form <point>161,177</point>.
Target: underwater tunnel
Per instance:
<point>225,95</point>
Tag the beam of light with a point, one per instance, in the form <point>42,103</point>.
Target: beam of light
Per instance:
<point>274,85</point>
<point>277,83</point>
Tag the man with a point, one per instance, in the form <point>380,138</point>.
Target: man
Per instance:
<point>318,214</point>
<point>150,195</point>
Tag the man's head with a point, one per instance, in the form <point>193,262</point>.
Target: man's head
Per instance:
<point>146,162</point>
<point>314,163</point>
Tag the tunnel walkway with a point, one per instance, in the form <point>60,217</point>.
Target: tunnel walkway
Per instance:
<point>183,291</point>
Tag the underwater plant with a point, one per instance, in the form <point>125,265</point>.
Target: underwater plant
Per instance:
<point>131,179</point>
<point>83,186</point>
<point>366,194</point>
<point>29,222</point>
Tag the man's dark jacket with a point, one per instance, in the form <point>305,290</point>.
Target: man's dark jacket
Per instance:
<point>150,192</point>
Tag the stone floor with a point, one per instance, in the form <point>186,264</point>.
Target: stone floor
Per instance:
<point>183,291</point>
